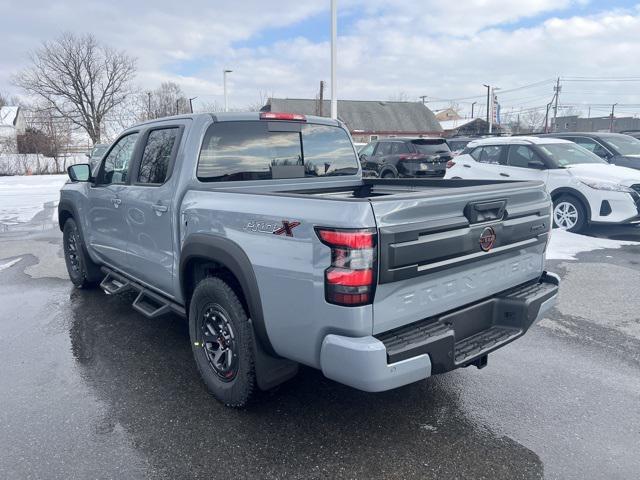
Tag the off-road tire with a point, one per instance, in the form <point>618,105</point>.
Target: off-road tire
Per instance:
<point>83,272</point>
<point>215,293</point>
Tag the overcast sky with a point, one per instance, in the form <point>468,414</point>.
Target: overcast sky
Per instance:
<point>442,49</point>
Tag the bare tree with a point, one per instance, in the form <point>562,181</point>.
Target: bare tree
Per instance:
<point>208,107</point>
<point>168,99</point>
<point>400,96</point>
<point>533,120</point>
<point>263,97</point>
<point>81,79</point>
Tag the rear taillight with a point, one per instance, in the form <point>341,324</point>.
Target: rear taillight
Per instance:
<point>351,279</point>
<point>450,163</point>
<point>411,156</point>
<point>282,116</point>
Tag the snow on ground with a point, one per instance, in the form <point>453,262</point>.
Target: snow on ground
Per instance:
<point>565,245</point>
<point>21,197</point>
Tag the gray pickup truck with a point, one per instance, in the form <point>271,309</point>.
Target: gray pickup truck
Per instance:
<point>260,229</point>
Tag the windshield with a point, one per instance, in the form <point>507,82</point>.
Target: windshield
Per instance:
<point>624,144</point>
<point>565,154</point>
<point>261,150</point>
<point>431,146</point>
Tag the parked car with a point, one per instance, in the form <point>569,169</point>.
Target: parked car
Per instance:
<point>96,153</point>
<point>458,144</point>
<point>616,148</point>
<point>632,133</point>
<point>261,231</point>
<point>585,189</point>
<point>406,157</point>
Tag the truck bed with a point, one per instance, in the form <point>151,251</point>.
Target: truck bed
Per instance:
<point>379,189</point>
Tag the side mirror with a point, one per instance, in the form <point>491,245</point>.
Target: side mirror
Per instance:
<point>80,172</point>
<point>363,157</point>
<point>537,164</point>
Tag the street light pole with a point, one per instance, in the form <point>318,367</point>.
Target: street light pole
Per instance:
<point>224,86</point>
<point>334,41</point>
<point>191,103</point>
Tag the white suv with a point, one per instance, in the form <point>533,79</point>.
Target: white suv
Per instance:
<point>585,189</point>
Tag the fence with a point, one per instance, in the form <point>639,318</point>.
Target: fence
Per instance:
<point>36,164</point>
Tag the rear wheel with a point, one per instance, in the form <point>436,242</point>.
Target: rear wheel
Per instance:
<point>569,214</point>
<point>221,340</point>
<point>388,174</point>
<point>82,271</point>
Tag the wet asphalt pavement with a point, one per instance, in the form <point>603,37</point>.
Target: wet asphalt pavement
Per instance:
<point>89,388</point>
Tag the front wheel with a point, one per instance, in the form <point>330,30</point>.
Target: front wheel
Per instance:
<point>82,271</point>
<point>388,174</point>
<point>222,342</point>
<point>569,214</point>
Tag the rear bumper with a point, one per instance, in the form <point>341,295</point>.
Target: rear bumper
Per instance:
<point>438,344</point>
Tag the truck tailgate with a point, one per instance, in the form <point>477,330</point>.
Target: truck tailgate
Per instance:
<point>440,250</point>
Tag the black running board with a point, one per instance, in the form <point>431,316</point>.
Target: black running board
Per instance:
<point>148,303</point>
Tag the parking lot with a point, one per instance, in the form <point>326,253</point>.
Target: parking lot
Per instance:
<point>92,389</point>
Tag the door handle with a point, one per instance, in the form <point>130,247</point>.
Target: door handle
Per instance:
<point>116,202</point>
<point>466,166</point>
<point>504,174</point>
<point>160,209</point>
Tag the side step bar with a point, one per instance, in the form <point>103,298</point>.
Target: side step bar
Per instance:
<point>148,303</point>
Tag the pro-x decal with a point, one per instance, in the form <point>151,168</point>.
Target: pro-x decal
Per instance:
<point>285,227</point>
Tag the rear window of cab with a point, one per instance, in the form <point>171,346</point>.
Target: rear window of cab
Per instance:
<point>270,150</point>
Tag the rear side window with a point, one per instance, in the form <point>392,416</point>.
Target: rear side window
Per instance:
<point>398,148</point>
<point>431,146</point>
<point>489,154</point>
<point>154,165</point>
<point>249,150</point>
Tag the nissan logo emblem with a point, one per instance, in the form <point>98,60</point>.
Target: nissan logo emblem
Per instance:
<point>487,239</point>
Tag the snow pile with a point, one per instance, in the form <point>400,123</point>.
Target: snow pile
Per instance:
<point>565,245</point>
<point>22,197</point>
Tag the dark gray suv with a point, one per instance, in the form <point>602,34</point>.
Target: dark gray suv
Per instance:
<point>616,148</point>
<point>406,158</point>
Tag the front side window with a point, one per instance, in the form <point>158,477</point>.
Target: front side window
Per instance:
<point>520,156</point>
<point>624,144</point>
<point>115,168</point>
<point>156,156</point>
<point>250,150</point>
<point>384,148</point>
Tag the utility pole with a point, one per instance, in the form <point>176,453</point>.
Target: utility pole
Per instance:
<point>148,105</point>
<point>472,105</point>
<point>546,119</point>
<point>613,110</point>
<point>191,103</point>
<point>224,87</point>
<point>334,41</point>
<point>424,99</point>
<point>518,125</point>
<point>321,107</point>
<point>177,102</point>
<point>557,89</point>
<point>488,104</point>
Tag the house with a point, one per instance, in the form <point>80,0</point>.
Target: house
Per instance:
<point>467,126</point>
<point>447,114</point>
<point>12,124</point>
<point>367,120</point>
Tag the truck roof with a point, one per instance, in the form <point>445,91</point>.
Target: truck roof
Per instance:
<point>234,117</point>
